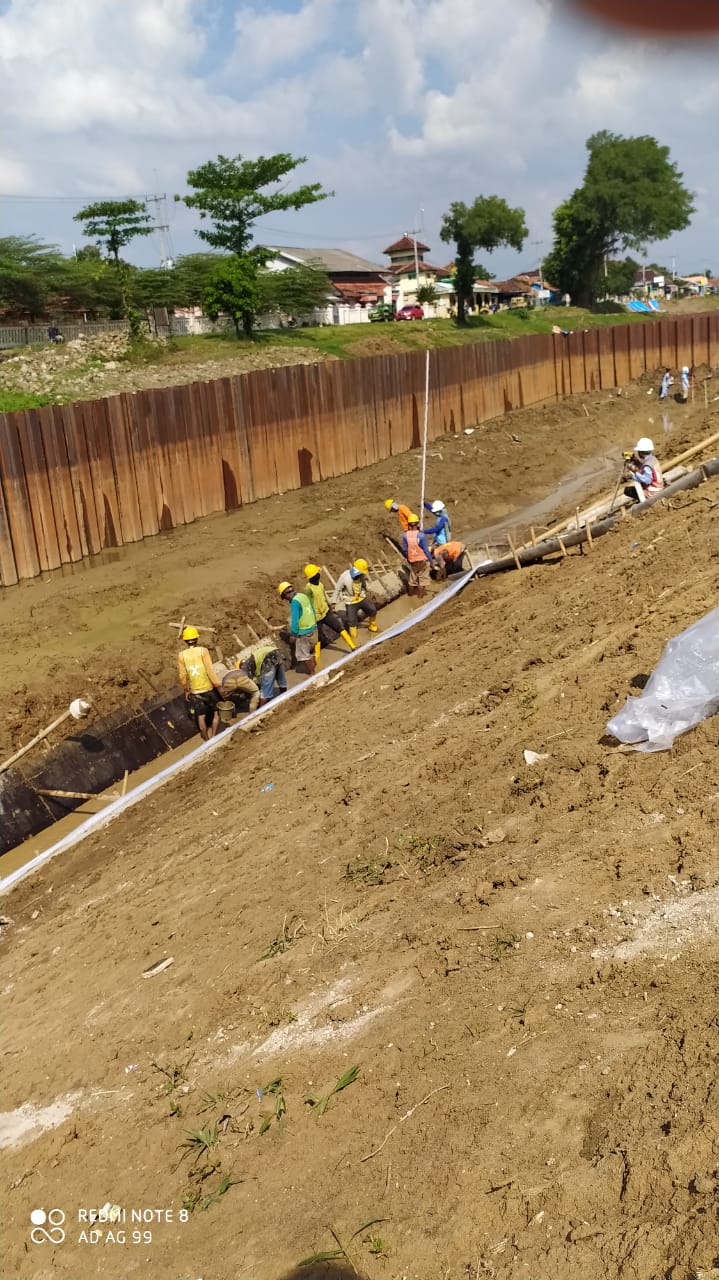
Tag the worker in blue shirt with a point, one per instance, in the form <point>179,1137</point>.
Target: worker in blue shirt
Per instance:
<point>441,531</point>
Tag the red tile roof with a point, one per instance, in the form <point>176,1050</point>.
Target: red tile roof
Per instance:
<point>367,292</point>
<point>406,243</point>
<point>400,267</point>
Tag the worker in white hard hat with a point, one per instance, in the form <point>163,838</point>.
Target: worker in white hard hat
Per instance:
<point>199,682</point>
<point>441,530</point>
<point>686,382</point>
<point>647,479</point>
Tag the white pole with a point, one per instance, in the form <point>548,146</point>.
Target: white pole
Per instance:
<point>424,439</point>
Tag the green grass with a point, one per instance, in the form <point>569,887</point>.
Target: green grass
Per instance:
<point>13,401</point>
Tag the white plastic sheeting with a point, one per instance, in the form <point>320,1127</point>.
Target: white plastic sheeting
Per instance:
<point>682,690</point>
<point>133,797</point>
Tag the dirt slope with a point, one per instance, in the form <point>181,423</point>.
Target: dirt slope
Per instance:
<point>87,630</point>
<point>518,959</point>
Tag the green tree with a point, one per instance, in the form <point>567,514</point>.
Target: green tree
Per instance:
<point>296,291</point>
<point>481,272</point>
<point>114,224</point>
<point>191,275</point>
<point>485,224</point>
<point>618,277</point>
<point>234,290</point>
<point>27,267</point>
<point>632,193</point>
<point>231,194</point>
<point>426,294</point>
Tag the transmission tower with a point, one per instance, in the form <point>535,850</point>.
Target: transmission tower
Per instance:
<point>162,229</point>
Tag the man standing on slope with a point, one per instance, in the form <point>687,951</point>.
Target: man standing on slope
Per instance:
<point>329,624</point>
<point>418,556</point>
<point>200,684</point>
<point>403,512</point>
<point>441,531</point>
<point>303,627</point>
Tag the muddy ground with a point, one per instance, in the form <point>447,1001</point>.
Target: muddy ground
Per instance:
<point>90,630</point>
<point>518,959</point>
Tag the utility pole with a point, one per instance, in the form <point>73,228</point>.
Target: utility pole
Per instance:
<point>414,233</point>
<point>162,227</point>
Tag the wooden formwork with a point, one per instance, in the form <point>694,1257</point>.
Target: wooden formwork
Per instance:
<point>75,479</point>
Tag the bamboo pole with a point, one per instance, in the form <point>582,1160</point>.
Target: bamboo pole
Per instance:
<point>513,550</point>
<point>72,795</point>
<point>533,535</point>
<point>329,575</point>
<point>253,633</point>
<point>34,741</point>
<point>562,546</point>
<point>588,530</point>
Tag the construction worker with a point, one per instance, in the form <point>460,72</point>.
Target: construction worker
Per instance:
<point>667,381</point>
<point>199,682</point>
<point>646,472</point>
<point>415,548</point>
<point>686,382</point>
<point>448,558</point>
<point>237,687</point>
<point>403,512</point>
<point>350,595</point>
<point>329,624</point>
<point>303,627</point>
<point>264,666</point>
<point>441,530</point>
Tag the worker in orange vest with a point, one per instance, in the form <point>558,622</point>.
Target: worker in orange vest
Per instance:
<point>200,684</point>
<point>403,512</point>
<point>448,558</point>
<point>418,556</point>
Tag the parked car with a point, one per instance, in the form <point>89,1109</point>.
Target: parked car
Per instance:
<point>411,312</point>
<point>383,311</point>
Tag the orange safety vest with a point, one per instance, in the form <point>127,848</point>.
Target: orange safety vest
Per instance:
<point>453,549</point>
<point>415,554</point>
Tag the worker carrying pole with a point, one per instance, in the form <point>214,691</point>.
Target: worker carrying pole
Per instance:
<point>329,623</point>
<point>303,627</point>
<point>199,682</point>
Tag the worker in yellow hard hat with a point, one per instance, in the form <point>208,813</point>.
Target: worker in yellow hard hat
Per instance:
<point>403,512</point>
<point>199,682</point>
<point>303,627</point>
<point>418,556</point>
<point>329,623</point>
<point>351,598</point>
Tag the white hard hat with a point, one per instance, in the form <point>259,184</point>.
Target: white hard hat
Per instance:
<point>644,445</point>
<point>437,507</point>
<point>685,369</point>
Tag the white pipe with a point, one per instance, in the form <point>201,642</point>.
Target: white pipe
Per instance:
<point>424,439</point>
<point>101,819</point>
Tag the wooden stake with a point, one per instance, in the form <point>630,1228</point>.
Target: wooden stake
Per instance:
<point>240,643</point>
<point>394,548</point>
<point>533,535</point>
<point>71,795</point>
<point>124,784</point>
<point>486,551</point>
<point>145,676</point>
<point>253,633</point>
<point>706,395</point>
<point>329,575</point>
<point>266,624</point>
<point>590,539</point>
<point>577,515</point>
<point>585,409</point>
<point>513,550</point>
<point>564,549</point>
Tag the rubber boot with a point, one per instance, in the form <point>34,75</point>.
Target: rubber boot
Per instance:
<point>318,655</point>
<point>348,640</point>
<point>372,625</point>
<point>353,632</point>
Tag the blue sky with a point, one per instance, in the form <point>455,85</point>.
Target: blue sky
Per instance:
<point>401,106</point>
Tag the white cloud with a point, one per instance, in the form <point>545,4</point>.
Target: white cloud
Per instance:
<point>266,40</point>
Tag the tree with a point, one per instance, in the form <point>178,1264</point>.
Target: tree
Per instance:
<point>191,275</point>
<point>114,223</point>
<point>632,193</point>
<point>619,277</point>
<point>481,272</point>
<point>426,294</point>
<point>296,291</point>
<point>232,193</point>
<point>234,290</point>
<point>27,267</point>
<point>486,224</point>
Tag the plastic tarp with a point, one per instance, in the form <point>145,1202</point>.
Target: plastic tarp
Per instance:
<point>682,690</point>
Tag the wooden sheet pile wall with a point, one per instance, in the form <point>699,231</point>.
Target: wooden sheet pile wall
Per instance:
<point>75,479</point>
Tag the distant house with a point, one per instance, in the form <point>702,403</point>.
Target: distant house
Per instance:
<point>713,284</point>
<point>409,271</point>
<point>696,284</point>
<point>357,284</point>
<point>544,292</point>
<point>509,291</point>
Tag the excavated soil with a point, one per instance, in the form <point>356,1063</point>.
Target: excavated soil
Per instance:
<point>516,958</point>
<point>91,629</point>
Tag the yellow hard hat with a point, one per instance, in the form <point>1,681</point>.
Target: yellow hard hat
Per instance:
<point>389,503</point>
<point>311,570</point>
<point>412,518</point>
<point>284,586</point>
<point>361,566</point>
<point>190,633</point>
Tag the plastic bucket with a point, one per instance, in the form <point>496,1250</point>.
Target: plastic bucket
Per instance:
<point>226,711</point>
